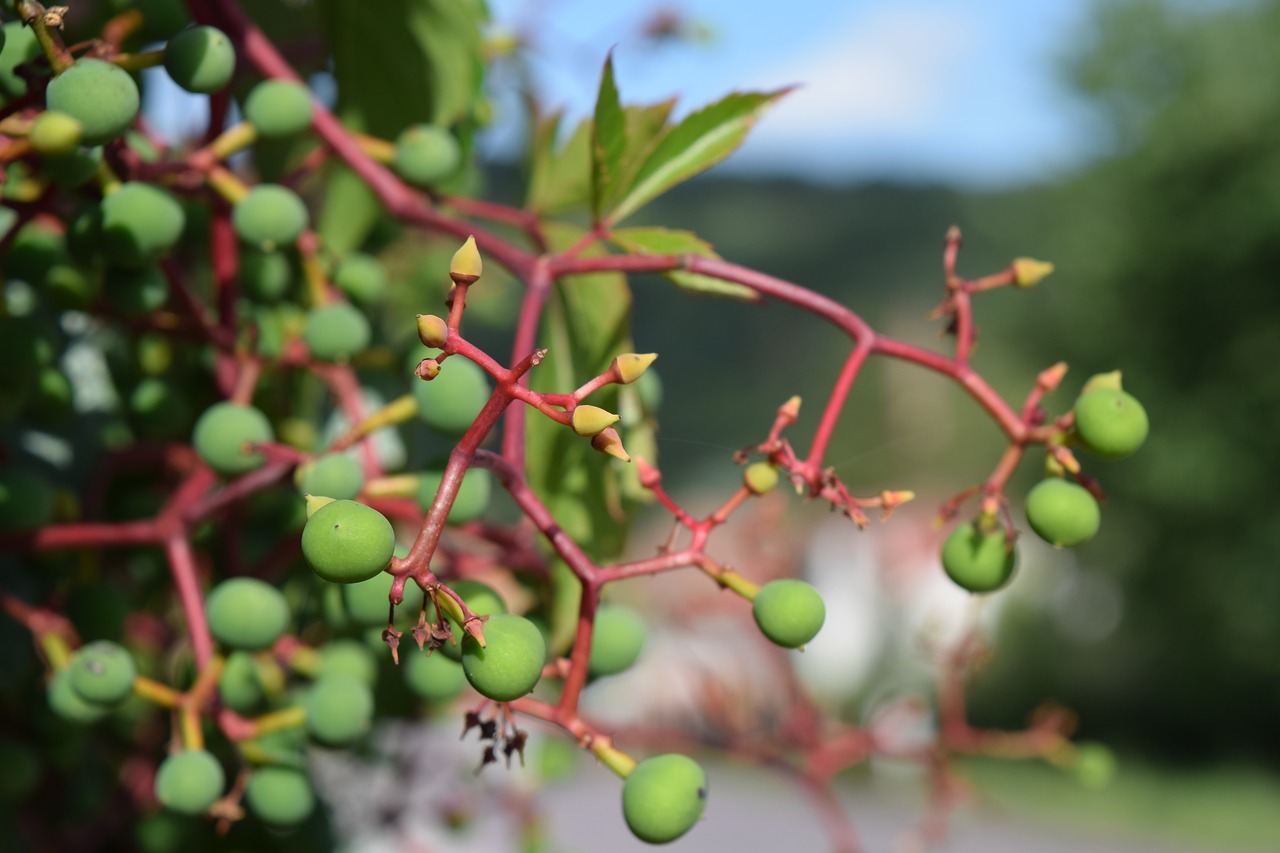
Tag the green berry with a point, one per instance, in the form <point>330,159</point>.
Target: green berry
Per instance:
<point>103,673</point>
<point>222,434</point>
<point>789,612</point>
<point>72,170</point>
<point>663,797</point>
<point>269,217</point>
<point>481,599</point>
<point>100,95</point>
<point>617,639</point>
<point>55,134</point>
<point>760,477</point>
<point>1062,513</point>
<point>246,613</point>
<point>158,409</point>
<point>135,292</point>
<point>265,276</point>
<point>52,395</point>
<point>280,796</point>
<point>434,677</point>
<point>279,108</point>
<point>1110,422</point>
<point>137,223</point>
<point>70,288</point>
<point>362,277</point>
<point>471,501</point>
<point>348,658</point>
<point>347,542</point>
<point>26,499</point>
<point>451,401</point>
<point>67,703</point>
<point>510,664</point>
<point>20,46</point>
<point>239,686</point>
<point>425,154</point>
<point>339,710</point>
<point>337,475</point>
<point>336,332</point>
<point>367,604</point>
<point>189,782</point>
<point>201,59</point>
<point>34,250</point>
<point>977,561</point>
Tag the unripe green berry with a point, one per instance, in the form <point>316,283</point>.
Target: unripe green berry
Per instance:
<point>239,686</point>
<point>201,59</point>
<point>269,217</point>
<point>280,796</point>
<point>1110,422</point>
<point>55,134</point>
<point>977,561</point>
<point>663,797</point>
<point>760,477</point>
<point>246,613</point>
<point>336,332</point>
<point>339,710</point>
<point>1062,513</point>
<point>74,169</point>
<point>367,602</point>
<point>279,108</point>
<point>511,662</point>
<point>617,638</point>
<point>789,612</point>
<point>471,501</point>
<point>68,705</point>
<point>26,499</point>
<point>347,542</point>
<point>224,431</point>
<point>336,475</point>
<point>158,409</point>
<point>362,277</point>
<point>265,276</point>
<point>451,401</point>
<point>135,292</point>
<point>434,677</point>
<point>348,658</point>
<point>137,223</point>
<point>425,154</point>
<point>103,673</point>
<point>189,782</point>
<point>100,95</point>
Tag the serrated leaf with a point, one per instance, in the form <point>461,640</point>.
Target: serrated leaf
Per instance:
<point>560,179</point>
<point>646,126</point>
<point>668,241</point>
<point>700,141</point>
<point>608,139</point>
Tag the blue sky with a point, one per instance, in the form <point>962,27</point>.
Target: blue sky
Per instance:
<point>966,91</point>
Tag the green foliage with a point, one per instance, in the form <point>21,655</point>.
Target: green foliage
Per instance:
<point>201,59</point>
<point>977,560</point>
<point>189,782</point>
<point>223,432</point>
<point>100,95</point>
<point>789,612</point>
<point>347,542</point>
<point>20,46</point>
<point>510,663</point>
<point>1062,513</point>
<point>663,797</point>
<point>246,613</point>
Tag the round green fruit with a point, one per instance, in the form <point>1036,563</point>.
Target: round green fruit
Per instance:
<point>137,223</point>
<point>100,95</point>
<point>20,46</point>
<point>471,501</point>
<point>269,217</point>
<point>425,154</point>
<point>451,401</point>
<point>336,332</point>
<point>26,499</point>
<point>239,686</point>
<point>74,169</point>
<point>367,604</point>
<point>33,252</point>
<point>480,598</point>
<point>1062,513</point>
<point>55,134</point>
<point>336,475</point>
<point>347,542</point>
<point>976,561</point>
<point>348,658</point>
<point>1110,423</point>
<point>280,796</point>
<point>224,431</point>
<point>279,108</point>
<point>663,797</point>
<point>135,291</point>
<point>265,276</point>
<point>617,639</point>
<point>67,704</point>
<point>201,59</point>
<point>362,277</point>
<point>434,677</point>
<point>511,662</point>
<point>246,613</point>
<point>189,782</point>
<point>339,710</point>
<point>789,612</point>
<point>103,673</point>
<point>158,409</point>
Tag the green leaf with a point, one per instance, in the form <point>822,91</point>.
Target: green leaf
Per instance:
<point>559,179</point>
<point>701,140</point>
<point>608,140</point>
<point>646,126</point>
<point>667,241</point>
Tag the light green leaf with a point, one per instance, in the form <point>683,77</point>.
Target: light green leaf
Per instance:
<point>667,241</point>
<point>701,140</point>
<point>646,126</point>
<point>608,140</point>
<point>559,179</point>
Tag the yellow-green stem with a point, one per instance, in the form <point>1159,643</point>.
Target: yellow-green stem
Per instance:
<point>154,691</point>
<point>278,721</point>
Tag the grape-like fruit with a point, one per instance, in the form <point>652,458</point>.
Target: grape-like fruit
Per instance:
<point>103,673</point>
<point>425,154</point>
<point>510,664</point>
<point>347,542</point>
<point>451,401</point>
<point>481,599</point>
<point>55,134</point>
<point>760,477</point>
<point>239,686</point>
<point>349,658</point>
<point>279,108</point>
<point>74,169</point>
<point>789,612</point>
<point>20,46</point>
<point>67,703</point>
<point>135,291</point>
<point>137,224</point>
<point>158,409</point>
<point>100,95</point>
<point>336,475</point>
<point>616,640</point>
<point>977,561</point>
<point>69,287</point>
<point>362,277</point>
<point>663,797</point>
<point>265,276</point>
<point>201,59</point>
<point>336,332</point>
<point>339,710</point>
<point>246,613</point>
<point>1062,513</point>
<point>1110,422</point>
<point>189,782</point>
<point>281,796</point>
<point>26,499</point>
<point>472,498</point>
<point>367,604</point>
<point>34,250</point>
<point>434,677</point>
<point>222,433</point>
<point>269,217</point>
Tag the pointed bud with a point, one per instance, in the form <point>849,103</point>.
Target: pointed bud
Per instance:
<point>790,410</point>
<point>630,366</point>
<point>1051,377</point>
<point>466,265</point>
<point>315,503</point>
<point>1052,467</point>
<point>589,420</point>
<point>607,441</point>
<point>432,331</point>
<point>1028,272</point>
<point>1102,380</point>
<point>427,369</point>
<point>760,477</point>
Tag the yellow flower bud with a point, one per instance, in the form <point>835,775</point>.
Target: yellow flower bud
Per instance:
<point>1028,272</point>
<point>466,265</point>
<point>631,365</point>
<point>427,369</point>
<point>1102,380</point>
<point>608,441</point>
<point>760,477</point>
<point>589,420</point>
<point>315,503</point>
<point>432,331</point>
